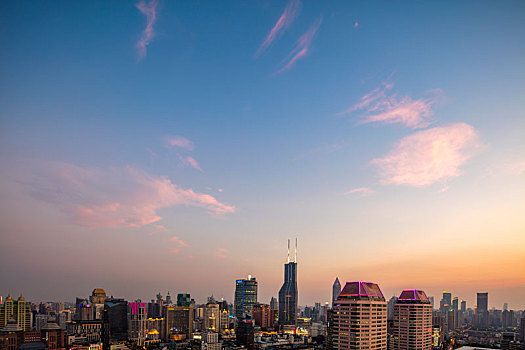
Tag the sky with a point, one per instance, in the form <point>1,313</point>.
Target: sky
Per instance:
<point>159,146</point>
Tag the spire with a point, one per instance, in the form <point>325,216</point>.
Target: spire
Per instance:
<point>288,251</point>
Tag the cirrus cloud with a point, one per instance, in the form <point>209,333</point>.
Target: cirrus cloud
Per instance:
<point>302,47</point>
<point>177,244</point>
<point>115,197</point>
<point>221,253</point>
<point>361,191</point>
<point>380,106</point>
<point>148,9</point>
<point>284,21</point>
<point>428,156</point>
<point>179,141</point>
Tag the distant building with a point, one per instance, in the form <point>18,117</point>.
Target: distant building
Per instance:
<point>137,316</point>
<point>13,337</point>
<point>288,294</point>
<point>522,329</point>
<point>446,302</point>
<point>245,296</point>
<point>212,316</point>
<point>336,289</point>
<point>178,323</point>
<point>115,321</point>
<point>359,318</point>
<point>168,298</point>
<point>244,334</point>
<point>463,306</point>
<point>19,310</point>
<point>274,304</point>
<point>483,302</point>
<point>263,315</point>
<point>183,299</point>
<point>390,307</point>
<point>413,321</point>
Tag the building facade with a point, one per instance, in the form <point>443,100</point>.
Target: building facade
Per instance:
<point>245,297</point>
<point>413,321</point>
<point>359,318</point>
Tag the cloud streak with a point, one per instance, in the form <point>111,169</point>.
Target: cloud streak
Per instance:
<point>361,191</point>
<point>116,197</point>
<point>285,20</point>
<point>428,156</point>
<point>189,161</point>
<point>302,47</point>
<point>177,244</point>
<point>379,106</point>
<point>179,141</point>
<point>148,9</point>
<point>221,253</point>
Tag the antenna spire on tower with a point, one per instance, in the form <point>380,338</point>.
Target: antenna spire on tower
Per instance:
<point>288,251</point>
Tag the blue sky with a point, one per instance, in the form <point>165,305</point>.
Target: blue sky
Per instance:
<point>272,147</point>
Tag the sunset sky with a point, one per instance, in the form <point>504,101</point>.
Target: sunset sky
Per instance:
<point>176,145</point>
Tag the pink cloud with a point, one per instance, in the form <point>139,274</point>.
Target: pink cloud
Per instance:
<point>380,107</point>
<point>428,156</point>
<point>221,253</point>
<point>179,141</point>
<point>148,9</point>
<point>287,17</point>
<point>302,47</point>
<point>177,244</point>
<point>117,197</point>
<point>189,161</point>
<point>356,24</point>
<point>362,191</point>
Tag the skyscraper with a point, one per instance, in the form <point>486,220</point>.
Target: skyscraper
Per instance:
<point>20,310</point>
<point>413,321</point>
<point>483,302</point>
<point>183,299</point>
<point>463,306</point>
<point>359,318</point>
<point>336,289</point>
<point>288,292</point>
<point>245,296</point>
<point>446,302</point>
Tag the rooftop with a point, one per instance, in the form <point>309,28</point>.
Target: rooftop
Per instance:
<point>360,289</point>
<point>413,295</point>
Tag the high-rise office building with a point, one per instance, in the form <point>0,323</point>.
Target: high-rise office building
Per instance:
<point>244,334</point>
<point>288,295</point>
<point>463,306</point>
<point>263,315</point>
<point>245,296</point>
<point>137,316</point>
<point>390,307</point>
<point>522,329</point>
<point>446,302</point>
<point>212,316</point>
<point>336,289</point>
<point>274,304</point>
<point>413,321</point>
<point>18,309</point>
<point>359,318</point>
<point>183,299</point>
<point>431,299</point>
<point>168,299</point>
<point>178,322</point>
<point>482,309</point>
<point>455,304</point>
<point>115,321</point>
<point>483,302</point>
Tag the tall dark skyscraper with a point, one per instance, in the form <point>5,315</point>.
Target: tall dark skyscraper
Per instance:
<point>288,292</point>
<point>183,299</point>
<point>245,297</point>
<point>336,289</point>
<point>483,302</point>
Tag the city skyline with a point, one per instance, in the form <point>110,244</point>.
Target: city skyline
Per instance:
<point>149,146</point>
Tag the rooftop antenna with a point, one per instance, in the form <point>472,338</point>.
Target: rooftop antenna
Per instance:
<point>288,251</point>
<point>295,258</point>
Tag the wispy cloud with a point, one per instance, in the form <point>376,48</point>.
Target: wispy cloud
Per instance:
<point>379,106</point>
<point>287,17</point>
<point>302,47</point>
<point>221,253</point>
<point>179,141</point>
<point>189,161</point>
<point>361,191</point>
<point>116,197</point>
<point>428,156</point>
<point>148,9</point>
<point>176,244</point>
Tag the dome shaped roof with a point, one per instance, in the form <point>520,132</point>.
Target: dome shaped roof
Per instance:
<point>99,291</point>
